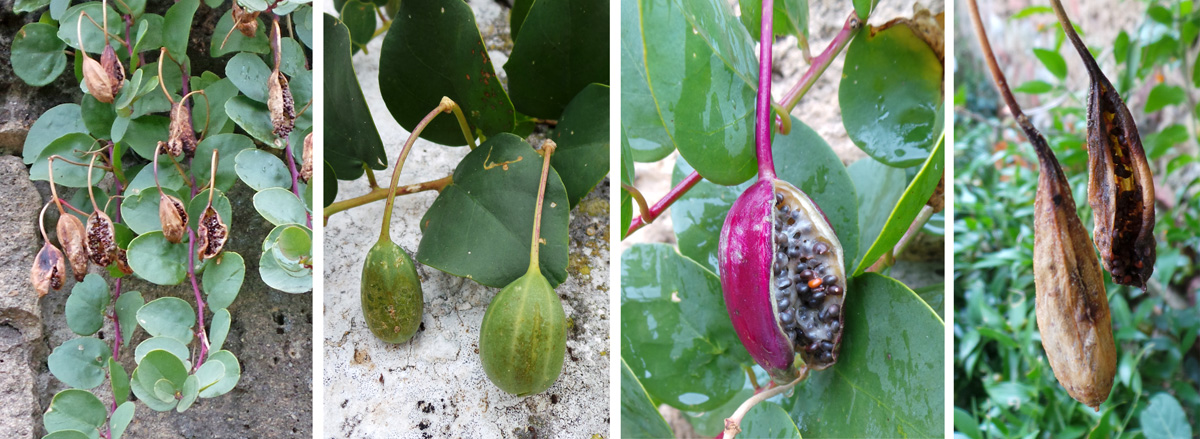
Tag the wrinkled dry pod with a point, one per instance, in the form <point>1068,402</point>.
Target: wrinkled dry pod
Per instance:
<point>783,279</point>
<point>101,238</point>
<point>73,239</point>
<point>48,270</point>
<point>391,295</point>
<point>181,138</point>
<point>211,234</point>
<point>306,167</point>
<point>279,101</point>
<point>1072,305</point>
<point>174,218</point>
<point>244,22</point>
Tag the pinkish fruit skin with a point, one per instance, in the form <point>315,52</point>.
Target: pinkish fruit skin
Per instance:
<point>746,250</point>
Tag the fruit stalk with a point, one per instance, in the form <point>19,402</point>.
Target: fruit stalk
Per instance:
<point>548,148</point>
<point>443,107</point>
<point>666,201</point>
<point>762,105</point>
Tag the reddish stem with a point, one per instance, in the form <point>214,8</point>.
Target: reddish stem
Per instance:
<point>291,161</point>
<point>665,202</point>
<point>822,62</point>
<point>116,351</point>
<point>762,109</point>
<point>201,333</point>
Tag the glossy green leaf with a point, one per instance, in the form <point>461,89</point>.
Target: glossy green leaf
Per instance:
<point>262,170</point>
<point>177,25</point>
<point>675,333</point>
<point>1033,87</point>
<point>222,280</point>
<point>54,123</point>
<point>705,100</point>
<point>144,133</point>
<point>790,18</point>
<point>916,195</point>
<point>641,120</point>
<point>627,177</point>
<point>331,184</point>
<point>80,362</point>
<point>175,347</point>
<point>712,422</point>
<point>93,36</point>
<point>882,186</point>
<point>158,371</point>
<point>219,329</point>
<point>891,95</point>
<point>119,381</point>
<point>37,54</point>
<point>582,137</point>
<point>237,42</point>
<point>87,304</point>
<point>1053,61</point>
<point>348,121</point>
<point>253,117</point>
<point>564,48</point>
<point>1164,418</point>
<point>228,147</point>
<point>769,420</point>
<point>155,259</point>
<point>359,18</point>
<point>481,225</point>
<point>75,409</point>
<point>127,307</point>
<point>434,49</point>
<point>294,243</point>
<point>209,373</point>
<point>120,419</point>
<point>280,206</point>
<point>1163,95</point>
<point>249,73</point>
<point>233,373</point>
<point>888,380</point>
<point>639,416</point>
<point>863,8</point>
<point>803,159</point>
<point>168,317</point>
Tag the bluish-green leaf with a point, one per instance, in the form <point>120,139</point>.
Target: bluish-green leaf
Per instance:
<point>86,306</point>
<point>155,259</point>
<point>222,280</point>
<point>75,409</point>
<point>37,54</point>
<point>261,170</point>
<point>168,317</point>
<point>80,362</point>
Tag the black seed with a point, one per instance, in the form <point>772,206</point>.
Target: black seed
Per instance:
<point>820,248</point>
<point>834,290</point>
<point>818,296</point>
<point>830,312</point>
<point>806,274</point>
<point>826,357</point>
<point>793,252</point>
<point>785,316</point>
<point>827,346</point>
<point>834,325</point>
<point>784,302</point>
<point>801,288</point>
<point>783,283</point>
<point>780,238</point>
<point>829,280</point>
<point>813,347</point>
<point>778,198</point>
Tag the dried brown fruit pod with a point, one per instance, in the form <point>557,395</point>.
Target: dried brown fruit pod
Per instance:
<point>306,167</point>
<point>181,137</point>
<point>211,231</point>
<point>73,240</point>
<point>1120,184</point>
<point>101,238</point>
<point>123,261</point>
<point>173,216</point>
<point>48,269</point>
<point>279,101</point>
<point>103,78</point>
<point>112,66</point>
<point>244,22</point>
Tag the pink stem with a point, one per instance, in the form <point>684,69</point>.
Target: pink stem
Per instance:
<point>665,202</point>
<point>116,351</point>
<point>762,109</point>
<point>200,331</point>
<point>291,161</point>
<point>822,62</point>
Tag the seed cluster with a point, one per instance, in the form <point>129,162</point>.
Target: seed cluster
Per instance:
<point>807,290</point>
<point>101,244</point>
<point>212,234</point>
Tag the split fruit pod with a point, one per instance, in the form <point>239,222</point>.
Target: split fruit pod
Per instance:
<point>392,301</point>
<point>783,279</point>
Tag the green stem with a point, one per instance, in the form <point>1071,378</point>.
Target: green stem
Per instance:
<point>444,106</point>
<point>547,149</point>
<point>381,193</point>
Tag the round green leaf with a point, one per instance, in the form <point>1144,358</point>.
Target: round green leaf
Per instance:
<point>564,48</point>
<point>98,117</point>
<point>882,187</point>
<point>675,333</point>
<point>481,225</point>
<point>175,347</point>
<point>210,373</point>
<point>803,159</point>
<point>769,420</point>
<point>262,170</point>
<point>37,54</point>
<point>159,372</point>
<point>434,49</point>
<point>331,184</point>
<point>87,304</point>
<point>280,206</point>
<point>233,373</point>
<point>254,117</point>
<point>80,362</point>
<point>277,277</point>
<point>223,279</point>
<point>1163,95</point>
<point>891,95</point>
<point>70,146</point>
<point>168,317</point>
<point>155,259</point>
<point>191,390</point>
<point>359,18</point>
<point>218,93</point>
<point>892,357</point>
<point>639,416</point>
<point>641,120</point>
<point>219,329</point>
<point>249,73</point>
<point>144,133</point>
<point>582,137</point>
<point>1053,61</point>
<point>54,123</point>
<point>93,36</point>
<point>75,409</point>
<point>120,419</point>
<point>1164,418</point>
<point>348,121</point>
<point>66,434</point>
<point>168,177</point>
<point>22,6</point>
<point>228,147</point>
<point>237,42</point>
<point>177,25</point>
<point>294,61</point>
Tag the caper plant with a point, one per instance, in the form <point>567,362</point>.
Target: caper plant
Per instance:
<point>151,151</point>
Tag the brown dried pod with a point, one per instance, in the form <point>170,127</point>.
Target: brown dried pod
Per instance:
<point>73,240</point>
<point>98,82</point>
<point>244,22</point>
<point>174,218</point>
<point>181,137</point>
<point>279,101</point>
<point>112,66</point>
<point>306,168</point>
<point>101,238</point>
<point>123,261</point>
<point>1120,184</point>
<point>48,269</point>
<point>210,230</point>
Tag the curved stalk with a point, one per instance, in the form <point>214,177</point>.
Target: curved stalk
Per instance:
<point>42,223</point>
<point>762,107</point>
<point>53,187</point>
<point>733,422</point>
<point>822,61</point>
<point>548,148</point>
<point>161,83</point>
<point>207,110</point>
<point>95,207</point>
<point>668,199</point>
<point>443,107</point>
<point>212,178</point>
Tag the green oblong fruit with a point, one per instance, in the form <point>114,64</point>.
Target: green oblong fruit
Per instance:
<point>523,337</point>
<point>392,301</point>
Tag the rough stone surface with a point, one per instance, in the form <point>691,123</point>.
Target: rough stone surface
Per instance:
<point>20,318</point>
<point>434,385</point>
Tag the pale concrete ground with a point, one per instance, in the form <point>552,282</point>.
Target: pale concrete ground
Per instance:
<point>434,385</point>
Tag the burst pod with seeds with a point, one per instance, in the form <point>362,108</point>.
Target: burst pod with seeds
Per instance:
<point>101,238</point>
<point>123,261</point>
<point>211,231</point>
<point>523,339</point>
<point>782,276</point>
<point>181,138</point>
<point>73,240</point>
<point>48,269</point>
<point>306,166</point>
<point>279,101</point>
<point>174,218</point>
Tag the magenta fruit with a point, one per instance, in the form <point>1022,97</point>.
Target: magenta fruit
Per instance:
<point>784,283</point>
